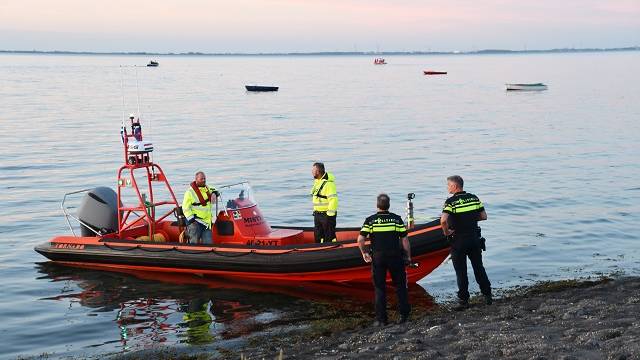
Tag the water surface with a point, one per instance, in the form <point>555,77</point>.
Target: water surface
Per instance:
<point>557,171</point>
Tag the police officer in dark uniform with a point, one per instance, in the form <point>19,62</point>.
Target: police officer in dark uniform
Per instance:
<point>390,251</point>
<point>459,221</point>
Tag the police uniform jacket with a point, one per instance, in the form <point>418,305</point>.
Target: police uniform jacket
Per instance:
<point>463,209</point>
<point>385,229</point>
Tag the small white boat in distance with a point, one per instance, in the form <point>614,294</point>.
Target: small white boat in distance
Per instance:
<point>526,87</point>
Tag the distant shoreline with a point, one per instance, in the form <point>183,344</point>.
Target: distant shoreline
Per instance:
<point>332,53</point>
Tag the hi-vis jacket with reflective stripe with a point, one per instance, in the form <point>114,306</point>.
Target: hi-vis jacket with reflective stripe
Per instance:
<point>325,197</point>
<point>192,208</point>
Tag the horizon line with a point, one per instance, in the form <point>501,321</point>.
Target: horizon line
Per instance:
<point>369,53</point>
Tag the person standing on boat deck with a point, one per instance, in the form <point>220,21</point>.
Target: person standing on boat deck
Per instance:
<point>325,204</point>
<point>196,206</point>
<point>459,220</point>
<point>390,251</point>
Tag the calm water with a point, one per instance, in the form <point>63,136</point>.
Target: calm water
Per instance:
<point>557,171</point>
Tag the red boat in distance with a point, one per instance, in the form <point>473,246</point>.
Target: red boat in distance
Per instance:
<point>431,72</point>
<point>379,61</point>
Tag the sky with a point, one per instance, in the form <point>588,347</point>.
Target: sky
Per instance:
<point>252,26</point>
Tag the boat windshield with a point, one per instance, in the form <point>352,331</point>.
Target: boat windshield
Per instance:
<point>237,196</point>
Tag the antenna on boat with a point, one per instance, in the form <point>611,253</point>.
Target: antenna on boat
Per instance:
<point>122,92</point>
<point>144,212</point>
<point>410,219</point>
<point>137,91</point>
<point>150,137</point>
<point>138,109</point>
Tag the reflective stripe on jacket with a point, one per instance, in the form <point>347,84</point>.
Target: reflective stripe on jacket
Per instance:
<point>464,209</point>
<point>462,202</point>
<point>385,229</point>
<point>325,197</point>
<point>192,208</point>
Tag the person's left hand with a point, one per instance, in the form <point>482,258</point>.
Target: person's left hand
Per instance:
<point>366,257</point>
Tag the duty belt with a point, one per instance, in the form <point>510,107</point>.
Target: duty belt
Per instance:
<point>465,235</point>
<point>388,252</point>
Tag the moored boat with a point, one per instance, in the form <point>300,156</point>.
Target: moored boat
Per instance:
<point>431,72</point>
<point>300,260</point>
<point>261,88</point>
<point>140,227</point>
<point>526,87</point>
<point>153,63</point>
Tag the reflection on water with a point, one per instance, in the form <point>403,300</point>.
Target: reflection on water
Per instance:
<point>154,308</point>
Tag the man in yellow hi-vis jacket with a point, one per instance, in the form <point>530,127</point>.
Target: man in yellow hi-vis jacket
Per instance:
<point>196,206</point>
<point>325,204</point>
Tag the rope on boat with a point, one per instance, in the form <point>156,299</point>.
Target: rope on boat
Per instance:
<point>275,253</point>
<point>221,253</point>
<point>321,248</point>
<point>230,254</point>
<point>196,252</point>
<point>126,248</point>
<point>155,250</point>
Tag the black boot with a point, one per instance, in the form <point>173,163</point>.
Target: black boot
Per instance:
<point>378,323</point>
<point>488,299</point>
<point>462,305</point>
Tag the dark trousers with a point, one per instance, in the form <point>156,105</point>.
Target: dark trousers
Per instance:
<point>395,266</point>
<point>460,250</point>
<point>324,229</point>
<point>199,234</point>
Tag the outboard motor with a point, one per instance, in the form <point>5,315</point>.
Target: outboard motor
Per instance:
<point>99,210</point>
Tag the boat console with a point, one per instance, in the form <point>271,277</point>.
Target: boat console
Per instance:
<point>241,221</point>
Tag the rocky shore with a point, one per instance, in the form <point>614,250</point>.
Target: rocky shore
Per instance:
<point>551,320</point>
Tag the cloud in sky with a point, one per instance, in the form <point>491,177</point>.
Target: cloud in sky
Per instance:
<point>309,25</point>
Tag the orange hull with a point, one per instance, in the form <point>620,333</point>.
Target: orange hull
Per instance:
<point>301,260</point>
<point>427,263</point>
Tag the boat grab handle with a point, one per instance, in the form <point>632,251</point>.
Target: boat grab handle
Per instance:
<point>67,215</point>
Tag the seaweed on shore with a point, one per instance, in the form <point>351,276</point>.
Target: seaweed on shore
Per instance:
<point>544,287</point>
<point>345,328</point>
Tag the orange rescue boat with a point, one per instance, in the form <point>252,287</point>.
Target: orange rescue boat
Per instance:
<point>139,227</point>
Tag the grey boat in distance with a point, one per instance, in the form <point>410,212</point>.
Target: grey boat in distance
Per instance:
<point>261,88</point>
<point>526,87</point>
